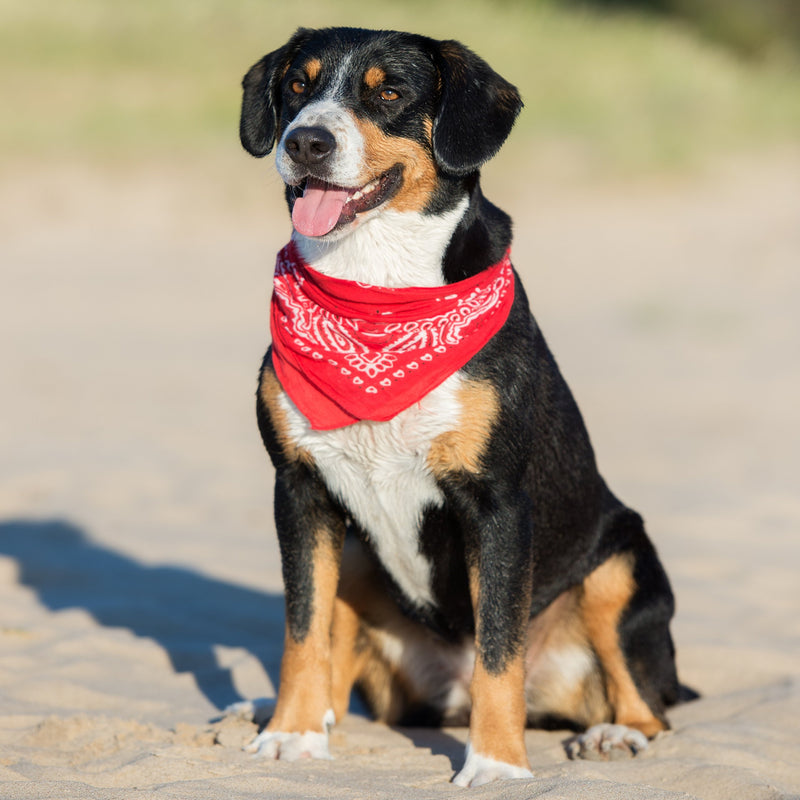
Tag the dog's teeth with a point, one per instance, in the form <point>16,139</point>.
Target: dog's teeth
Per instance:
<point>364,190</point>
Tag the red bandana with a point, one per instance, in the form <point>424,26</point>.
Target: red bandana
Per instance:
<point>345,351</point>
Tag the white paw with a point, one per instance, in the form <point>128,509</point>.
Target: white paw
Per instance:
<point>478,770</point>
<point>294,746</point>
<point>607,742</point>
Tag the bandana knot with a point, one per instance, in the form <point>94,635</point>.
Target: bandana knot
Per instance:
<point>346,351</point>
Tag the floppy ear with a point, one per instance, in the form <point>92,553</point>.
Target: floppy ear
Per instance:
<point>477,109</point>
<point>258,124</point>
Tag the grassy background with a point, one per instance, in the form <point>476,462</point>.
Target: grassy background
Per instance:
<point>754,28</point>
<point>605,90</point>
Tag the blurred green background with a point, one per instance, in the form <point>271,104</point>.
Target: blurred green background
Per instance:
<point>609,85</point>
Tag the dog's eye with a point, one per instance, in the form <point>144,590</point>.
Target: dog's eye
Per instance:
<point>298,86</point>
<point>390,95</point>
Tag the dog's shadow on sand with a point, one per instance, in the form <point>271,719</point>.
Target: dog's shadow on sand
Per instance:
<point>186,612</point>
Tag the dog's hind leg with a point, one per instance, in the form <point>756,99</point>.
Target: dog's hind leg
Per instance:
<point>626,606</point>
<point>348,655</point>
<point>564,685</point>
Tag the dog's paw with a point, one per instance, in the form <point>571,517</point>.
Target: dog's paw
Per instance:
<point>607,742</point>
<point>293,746</point>
<point>290,746</point>
<point>478,770</point>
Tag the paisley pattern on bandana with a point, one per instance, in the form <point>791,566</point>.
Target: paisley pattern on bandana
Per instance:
<point>344,351</point>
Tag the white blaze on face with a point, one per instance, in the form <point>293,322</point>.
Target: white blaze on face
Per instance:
<point>347,161</point>
<point>351,221</point>
<point>318,210</point>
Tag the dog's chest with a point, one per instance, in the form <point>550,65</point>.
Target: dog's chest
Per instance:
<point>379,471</point>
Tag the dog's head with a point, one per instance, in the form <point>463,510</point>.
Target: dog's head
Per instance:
<point>370,120</point>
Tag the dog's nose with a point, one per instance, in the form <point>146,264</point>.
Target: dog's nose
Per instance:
<point>308,146</point>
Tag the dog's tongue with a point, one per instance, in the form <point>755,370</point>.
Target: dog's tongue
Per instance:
<point>318,210</point>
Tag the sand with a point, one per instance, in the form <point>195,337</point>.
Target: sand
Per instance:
<point>139,580</point>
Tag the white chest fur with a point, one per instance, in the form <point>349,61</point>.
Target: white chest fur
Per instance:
<point>379,472</point>
<point>392,248</point>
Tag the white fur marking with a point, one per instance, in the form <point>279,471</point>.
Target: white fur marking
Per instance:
<point>379,472</point>
<point>392,248</point>
<point>478,770</point>
<point>346,162</point>
<point>293,746</point>
<point>572,663</point>
<point>342,73</point>
<point>607,742</point>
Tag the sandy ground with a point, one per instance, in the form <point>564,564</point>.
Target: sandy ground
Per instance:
<point>139,579</point>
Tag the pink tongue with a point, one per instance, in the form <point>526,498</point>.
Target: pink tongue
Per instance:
<point>318,210</point>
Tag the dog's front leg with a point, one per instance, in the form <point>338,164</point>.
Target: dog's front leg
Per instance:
<point>499,577</point>
<point>310,533</point>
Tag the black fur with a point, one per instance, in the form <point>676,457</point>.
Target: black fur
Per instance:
<point>477,109</point>
<point>539,518</point>
<point>473,109</point>
<point>258,123</point>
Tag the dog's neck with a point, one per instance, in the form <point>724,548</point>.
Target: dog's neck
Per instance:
<point>393,249</point>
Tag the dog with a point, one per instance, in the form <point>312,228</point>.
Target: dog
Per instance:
<point>447,544</point>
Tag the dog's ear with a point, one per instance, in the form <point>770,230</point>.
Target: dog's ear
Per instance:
<point>477,109</point>
<point>258,124</point>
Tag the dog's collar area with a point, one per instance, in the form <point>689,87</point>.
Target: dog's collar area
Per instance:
<point>346,352</point>
<point>324,206</point>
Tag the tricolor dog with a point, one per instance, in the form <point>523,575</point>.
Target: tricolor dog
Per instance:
<point>448,546</point>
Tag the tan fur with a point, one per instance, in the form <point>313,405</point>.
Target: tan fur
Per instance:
<point>348,660</point>
<point>364,612</point>
<point>558,633</point>
<point>462,449</point>
<point>498,714</point>
<point>374,77</point>
<point>382,682</point>
<point>313,68</point>
<point>305,685</point>
<point>396,662</point>
<point>606,593</point>
<point>474,577</point>
<point>270,391</point>
<point>580,627</point>
<point>427,124</point>
<point>581,624</point>
<point>497,720</point>
<point>382,152</point>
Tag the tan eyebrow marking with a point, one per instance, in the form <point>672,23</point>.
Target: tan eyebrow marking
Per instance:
<point>374,77</point>
<point>313,68</point>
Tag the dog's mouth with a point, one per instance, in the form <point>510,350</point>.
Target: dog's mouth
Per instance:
<point>325,206</point>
